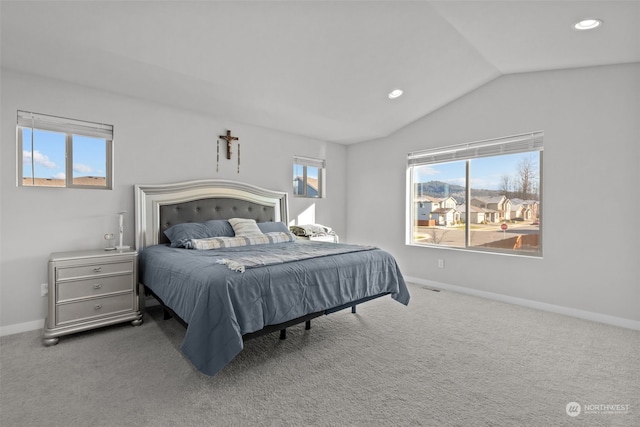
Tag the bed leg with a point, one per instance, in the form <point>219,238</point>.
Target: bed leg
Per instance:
<point>353,308</point>
<point>283,334</point>
<point>307,325</point>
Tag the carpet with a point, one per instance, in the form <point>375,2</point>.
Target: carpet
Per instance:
<point>445,360</point>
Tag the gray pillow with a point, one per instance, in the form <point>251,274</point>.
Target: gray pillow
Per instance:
<point>273,227</point>
<point>180,233</point>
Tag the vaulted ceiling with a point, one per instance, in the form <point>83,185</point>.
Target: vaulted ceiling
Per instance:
<point>322,69</point>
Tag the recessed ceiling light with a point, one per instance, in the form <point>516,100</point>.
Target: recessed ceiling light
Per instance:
<point>587,24</point>
<point>395,93</point>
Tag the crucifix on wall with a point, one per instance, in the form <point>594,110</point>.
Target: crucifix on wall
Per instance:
<point>229,138</point>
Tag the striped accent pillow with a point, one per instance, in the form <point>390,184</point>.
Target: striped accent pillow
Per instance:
<point>233,242</point>
<point>245,227</point>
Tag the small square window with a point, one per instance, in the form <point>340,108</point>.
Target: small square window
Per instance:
<point>308,177</point>
<point>59,152</point>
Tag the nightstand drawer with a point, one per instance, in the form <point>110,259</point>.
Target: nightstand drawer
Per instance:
<point>93,270</point>
<point>97,307</point>
<point>93,287</point>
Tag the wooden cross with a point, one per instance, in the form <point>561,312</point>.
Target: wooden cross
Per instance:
<point>229,140</point>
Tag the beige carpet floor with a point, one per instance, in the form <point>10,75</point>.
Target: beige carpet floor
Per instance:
<point>445,360</point>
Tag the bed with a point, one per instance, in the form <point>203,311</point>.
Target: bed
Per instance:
<point>202,258</point>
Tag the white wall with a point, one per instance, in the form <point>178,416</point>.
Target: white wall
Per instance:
<point>592,152</point>
<point>591,120</point>
<point>153,144</point>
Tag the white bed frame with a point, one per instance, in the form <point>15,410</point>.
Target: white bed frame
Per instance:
<point>149,198</point>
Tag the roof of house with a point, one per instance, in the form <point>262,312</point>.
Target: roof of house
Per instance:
<point>443,210</point>
<point>311,182</point>
<point>493,199</point>
<point>423,199</point>
<point>463,208</point>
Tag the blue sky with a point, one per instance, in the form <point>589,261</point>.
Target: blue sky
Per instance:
<point>312,172</point>
<point>89,155</point>
<point>486,172</point>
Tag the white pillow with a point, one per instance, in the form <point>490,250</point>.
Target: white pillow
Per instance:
<point>244,227</point>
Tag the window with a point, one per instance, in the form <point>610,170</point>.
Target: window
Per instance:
<point>485,196</point>
<point>308,177</point>
<point>60,152</point>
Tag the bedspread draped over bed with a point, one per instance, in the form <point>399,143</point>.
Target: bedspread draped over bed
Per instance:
<point>220,305</point>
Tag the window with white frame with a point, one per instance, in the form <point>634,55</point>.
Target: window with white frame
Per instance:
<point>485,195</point>
<point>62,152</point>
<point>308,177</point>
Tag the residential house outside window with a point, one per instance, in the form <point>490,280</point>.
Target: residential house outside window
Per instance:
<point>61,152</point>
<point>484,195</point>
<point>308,177</point>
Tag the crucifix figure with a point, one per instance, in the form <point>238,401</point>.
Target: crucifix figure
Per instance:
<point>229,140</point>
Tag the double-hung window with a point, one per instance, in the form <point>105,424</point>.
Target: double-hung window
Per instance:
<point>485,195</point>
<point>61,152</point>
<point>308,177</point>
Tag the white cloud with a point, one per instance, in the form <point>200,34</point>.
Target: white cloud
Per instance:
<point>81,168</point>
<point>59,175</point>
<point>486,183</point>
<point>425,171</point>
<point>38,158</point>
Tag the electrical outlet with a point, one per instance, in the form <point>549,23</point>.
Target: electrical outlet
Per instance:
<point>44,289</point>
<point>440,263</point>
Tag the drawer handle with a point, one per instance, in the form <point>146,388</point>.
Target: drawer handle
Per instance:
<point>97,269</point>
<point>97,307</point>
<point>97,286</point>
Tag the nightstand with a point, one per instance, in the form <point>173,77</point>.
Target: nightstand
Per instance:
<point>90,289</point>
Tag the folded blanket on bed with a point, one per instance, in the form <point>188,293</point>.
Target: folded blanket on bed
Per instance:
<point>288,253</point>
<point>311,230</point>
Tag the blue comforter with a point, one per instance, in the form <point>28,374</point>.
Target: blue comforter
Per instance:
<point>220,305</point>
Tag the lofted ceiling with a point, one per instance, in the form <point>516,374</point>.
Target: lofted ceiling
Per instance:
<point>321,69</point>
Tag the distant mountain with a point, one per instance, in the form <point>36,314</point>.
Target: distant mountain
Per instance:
<point>442,189</point>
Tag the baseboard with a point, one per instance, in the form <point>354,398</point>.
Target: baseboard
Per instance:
<point>581,314</point>
<point>21,327</point>
<point>39,324</point>
<point>568,311</point>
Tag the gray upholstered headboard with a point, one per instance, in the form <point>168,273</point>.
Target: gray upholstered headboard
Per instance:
<point>160,206</point>
<point>205,209</point>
